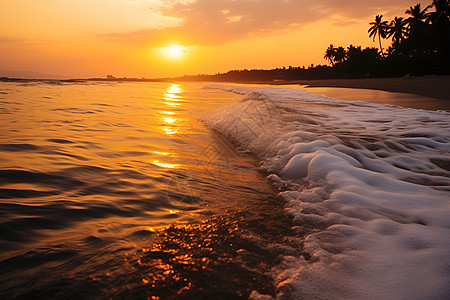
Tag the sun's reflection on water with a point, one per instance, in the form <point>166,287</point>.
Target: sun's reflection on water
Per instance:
<point>165,165</point>
<point>167,112</point>
<point>169,120</point>
<point>170,123</point>
<point>161,153</point>
<point>172,103</point>
<point>169,130</point>
<point>174,88</point>
<point>172,98</point>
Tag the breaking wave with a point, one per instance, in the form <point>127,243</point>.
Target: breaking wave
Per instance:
<point>371,180</point>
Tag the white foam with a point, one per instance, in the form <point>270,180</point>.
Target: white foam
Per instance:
<point>371,177</point>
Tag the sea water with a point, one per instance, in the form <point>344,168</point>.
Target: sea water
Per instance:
<point>372,180</point>
<point>160,190</point>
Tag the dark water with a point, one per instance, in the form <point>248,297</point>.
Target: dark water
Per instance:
<point>119,191</point>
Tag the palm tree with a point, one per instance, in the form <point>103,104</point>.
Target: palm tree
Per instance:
<point>419,40</point>
<point>379,27</point>
<point>353,52</point>
<point>340,54</point>
<point>442,14</point>
<point>417,19</point>
<point>373,51</point>
<point>440,23</point>
<point>353,49</point>
<point>397,30</point>
<point>330,54</point>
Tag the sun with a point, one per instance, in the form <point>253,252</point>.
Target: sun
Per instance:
<point>175,51</point>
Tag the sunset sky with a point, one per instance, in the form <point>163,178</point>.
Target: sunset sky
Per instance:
<point>87,38</point>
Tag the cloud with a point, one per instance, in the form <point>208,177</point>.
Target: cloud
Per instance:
<point>212,22</point>
<point>14,42</point>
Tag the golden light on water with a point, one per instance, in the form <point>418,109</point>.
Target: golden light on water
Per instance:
<point>174,89</point>
<point>172,103</point>
<point>171,123</point>
<point>169,130</point>
<point>170,120</point>
<point>161,153</point>
<point>172,98</point>
<point>166,112</point>
<point>165,165</point>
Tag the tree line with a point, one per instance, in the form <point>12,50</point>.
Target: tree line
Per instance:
<point>420,44</point>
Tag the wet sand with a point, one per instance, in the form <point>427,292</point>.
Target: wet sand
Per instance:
<point>427,92</point>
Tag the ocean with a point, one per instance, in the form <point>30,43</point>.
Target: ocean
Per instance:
<point>219,191</point>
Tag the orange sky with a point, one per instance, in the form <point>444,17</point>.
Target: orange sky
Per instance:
<point>87,38</point>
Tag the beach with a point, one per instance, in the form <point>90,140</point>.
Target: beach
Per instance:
<point>433,91</point>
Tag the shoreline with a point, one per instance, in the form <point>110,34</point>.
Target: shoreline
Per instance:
<point>428,86</point>
<point>427,92</point>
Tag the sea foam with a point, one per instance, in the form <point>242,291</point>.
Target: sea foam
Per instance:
<point>372,180</point>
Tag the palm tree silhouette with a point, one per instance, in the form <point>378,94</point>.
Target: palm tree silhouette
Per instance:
<point>340,54</point>
<point>379,27</point>
<point>397,30</point>
<point>330,54</point>
<point>417,19</point>
<point>441,15</point>
<point>440,23</point>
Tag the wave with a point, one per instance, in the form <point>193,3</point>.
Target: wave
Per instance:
<point>372,180</point>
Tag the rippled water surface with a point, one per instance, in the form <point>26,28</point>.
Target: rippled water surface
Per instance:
<point>184,191</point>
<point>92,176</point>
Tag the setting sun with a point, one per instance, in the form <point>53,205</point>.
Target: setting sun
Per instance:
<point>155,39</point>
<point>175,51</point>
